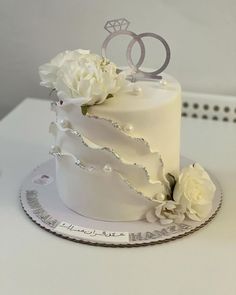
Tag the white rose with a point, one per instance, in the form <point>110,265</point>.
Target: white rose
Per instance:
<point>48,72</point>
<point>194,191</point>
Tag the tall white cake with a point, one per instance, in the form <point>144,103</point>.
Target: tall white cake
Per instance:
<point>117,138</point>
<point>125,147</point>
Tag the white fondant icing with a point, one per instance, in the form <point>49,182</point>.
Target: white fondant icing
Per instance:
<point>99,195</point>
<point>154,115</point>
<point>96,156</point>
<point>131,149</point>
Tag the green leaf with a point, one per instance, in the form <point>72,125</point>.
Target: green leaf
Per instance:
<point>169,198</point>
<point>172,181</point>
<point>84,109</point>
<point>109,95</point>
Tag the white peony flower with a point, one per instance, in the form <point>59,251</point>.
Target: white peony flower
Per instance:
<point>48,72</point>
<point>82,77</point>
<point>194,191</point>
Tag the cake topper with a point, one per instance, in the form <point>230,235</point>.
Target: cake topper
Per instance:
<point>120,27</point>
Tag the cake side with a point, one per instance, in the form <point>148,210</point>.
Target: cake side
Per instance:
<point>127,151</point>
<point>117,143</point>
<point>153,114</point>
<point>137,127</point>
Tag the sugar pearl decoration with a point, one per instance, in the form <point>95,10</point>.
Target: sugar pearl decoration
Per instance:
<point>128,128</point>
<point>107,168</point>
<point>136,90</point>
<point>65,123</point>
<point>159,197</point>
<point>163,82</point>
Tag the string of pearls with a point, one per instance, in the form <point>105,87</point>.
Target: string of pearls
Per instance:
<point>163,82</point>
<point>56,151</point>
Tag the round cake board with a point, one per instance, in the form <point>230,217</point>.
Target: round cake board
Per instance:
<point>41,202</point>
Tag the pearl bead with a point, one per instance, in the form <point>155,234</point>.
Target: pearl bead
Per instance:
<point>55,149</point>
<point>159,197</point>
<point>163,82</point>
<point>65,123</point>
<point>128,128</point>
<point>107,168</point>
<point>136,90</point>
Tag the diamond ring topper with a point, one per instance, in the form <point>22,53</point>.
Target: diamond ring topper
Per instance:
<point>120,27</point>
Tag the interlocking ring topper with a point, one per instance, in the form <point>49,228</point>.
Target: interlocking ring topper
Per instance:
<point>120,27</point>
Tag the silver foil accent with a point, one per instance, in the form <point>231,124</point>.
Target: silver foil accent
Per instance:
<point>81,165</point>
<point>138,139</point>
<point>120,128</point>
<point>107,149</point>
<point>63,154</point>
<point>120,26</point>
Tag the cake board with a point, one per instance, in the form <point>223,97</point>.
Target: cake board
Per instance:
<point>41,202</point>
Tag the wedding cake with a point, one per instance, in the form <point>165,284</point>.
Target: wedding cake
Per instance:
<point>117,140</point>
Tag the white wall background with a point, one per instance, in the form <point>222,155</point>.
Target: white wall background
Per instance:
<point>201,34</point>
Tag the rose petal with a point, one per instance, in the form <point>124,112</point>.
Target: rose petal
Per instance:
<point>150,216</point>
<point>170,205</point>
<point>193,216</point>
<point>203,210</point>
<point>179,218</point>
<point>158,210</point>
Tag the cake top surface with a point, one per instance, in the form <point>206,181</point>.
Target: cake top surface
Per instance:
<point>142,95</point>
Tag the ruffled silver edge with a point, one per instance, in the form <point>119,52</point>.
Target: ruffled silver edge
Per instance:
<point>82,166</point>
<point>85,141</point>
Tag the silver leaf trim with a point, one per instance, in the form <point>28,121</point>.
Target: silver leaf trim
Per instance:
<point>81,165</point>
<point>86,142</point>
<point>120,128</point>
<point>138,139</point>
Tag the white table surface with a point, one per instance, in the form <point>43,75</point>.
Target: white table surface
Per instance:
<point>33,261</point>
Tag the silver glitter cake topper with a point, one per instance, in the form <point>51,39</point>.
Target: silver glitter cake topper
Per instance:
<point>120,27</point>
